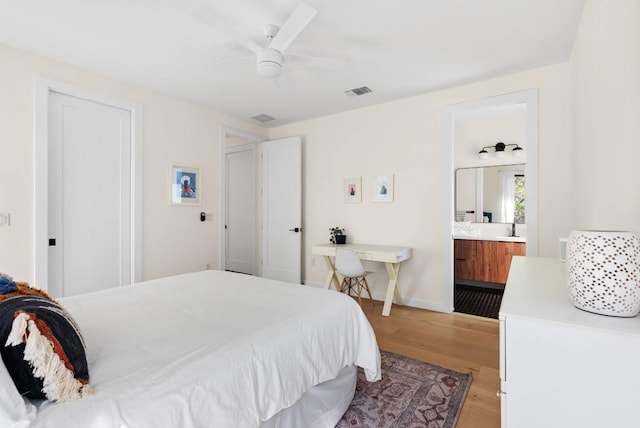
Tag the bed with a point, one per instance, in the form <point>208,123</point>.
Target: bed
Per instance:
<point>216,349</point>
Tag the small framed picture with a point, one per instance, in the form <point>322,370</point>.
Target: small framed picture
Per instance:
<point>353,190</point>
<point>383,188</point>
<point>186,185</point>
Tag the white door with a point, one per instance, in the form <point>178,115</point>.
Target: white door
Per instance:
<point>240,226</point>
<point>89,196</point>
<point>282,209</point>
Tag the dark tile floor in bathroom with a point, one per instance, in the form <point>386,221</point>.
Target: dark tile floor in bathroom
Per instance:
<point>484,302</point>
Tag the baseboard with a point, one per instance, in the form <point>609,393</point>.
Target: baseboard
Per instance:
<point>414,303</point>
<point>480,284</point>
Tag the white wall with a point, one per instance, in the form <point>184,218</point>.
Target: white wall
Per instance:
<point>588,156</point>
<point>605,79</point>
<point>404,138</point>
<point>174,240</point>
<point>474,131</point>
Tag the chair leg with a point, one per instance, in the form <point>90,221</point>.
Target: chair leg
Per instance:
<point>366,287</point>
<point>356,284</point>
<point>347,286</point>
<point>359,291</point>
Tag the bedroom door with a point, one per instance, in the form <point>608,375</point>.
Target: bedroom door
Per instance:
<point>240,207</point>
<point>282,209</point>
<point>89,196</point>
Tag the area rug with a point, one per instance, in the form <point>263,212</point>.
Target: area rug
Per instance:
<point>411,394</point>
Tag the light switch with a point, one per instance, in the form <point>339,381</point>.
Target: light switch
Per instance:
<point>5,219</point>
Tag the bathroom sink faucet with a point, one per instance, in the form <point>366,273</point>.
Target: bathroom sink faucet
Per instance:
<point>513,229</point>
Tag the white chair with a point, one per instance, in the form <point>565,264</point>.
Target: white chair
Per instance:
<point>350,267</point>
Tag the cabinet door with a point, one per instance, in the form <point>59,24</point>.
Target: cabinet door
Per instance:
<point>464,258</point>
<point>519,249</point>
<point>486,268</point>
<point>503,252</point>
<point>561,375</point>
<point>495,260</point>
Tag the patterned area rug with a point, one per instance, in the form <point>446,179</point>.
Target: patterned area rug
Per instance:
<point>411,394</point>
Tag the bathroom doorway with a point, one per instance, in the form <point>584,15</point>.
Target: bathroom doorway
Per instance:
<point>526,102</point>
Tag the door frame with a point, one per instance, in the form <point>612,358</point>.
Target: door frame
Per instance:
<point>43,87</point>
<point>530,99</point>
<point>228,134</point>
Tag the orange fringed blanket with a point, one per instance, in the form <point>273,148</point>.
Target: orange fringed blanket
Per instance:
<point>40,344</point>
<point>24,289</point>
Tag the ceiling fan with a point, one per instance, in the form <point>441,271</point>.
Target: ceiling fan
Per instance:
<point>270,58</point>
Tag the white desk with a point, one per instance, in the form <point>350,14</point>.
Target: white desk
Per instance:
<point>390,256</point>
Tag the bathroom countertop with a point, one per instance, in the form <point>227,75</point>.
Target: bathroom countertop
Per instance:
<point>492,238</point>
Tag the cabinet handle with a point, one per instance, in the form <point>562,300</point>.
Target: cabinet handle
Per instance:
<point>498,393</point>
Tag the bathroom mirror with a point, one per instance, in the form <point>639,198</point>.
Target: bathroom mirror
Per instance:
<point>491,194</point>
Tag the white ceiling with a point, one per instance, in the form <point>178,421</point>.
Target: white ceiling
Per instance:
<point>397,48</point>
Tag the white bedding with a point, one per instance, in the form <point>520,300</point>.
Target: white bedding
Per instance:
<point>209,349</point>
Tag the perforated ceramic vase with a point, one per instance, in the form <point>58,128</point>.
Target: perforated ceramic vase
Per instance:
<point>603,272</point>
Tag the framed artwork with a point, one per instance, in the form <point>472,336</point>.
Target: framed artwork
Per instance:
<point>383,188</point>
<point>186,185</point>
<point>353,190</point>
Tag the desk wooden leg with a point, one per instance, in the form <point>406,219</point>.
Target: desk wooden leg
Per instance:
<point>331,275</point>
<point>393,271</point>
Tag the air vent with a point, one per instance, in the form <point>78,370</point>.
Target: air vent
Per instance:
<point>263,118</point>
<point>356,92</point>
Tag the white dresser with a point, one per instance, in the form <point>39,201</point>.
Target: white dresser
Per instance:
<point>561,366</point>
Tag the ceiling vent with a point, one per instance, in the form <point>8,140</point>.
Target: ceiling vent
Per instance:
<point>263,118</point>
<point>356,92</point>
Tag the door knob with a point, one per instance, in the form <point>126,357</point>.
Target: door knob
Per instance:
<point>295,229</point>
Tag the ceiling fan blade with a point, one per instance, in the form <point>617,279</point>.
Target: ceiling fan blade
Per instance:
<point>210,18</point>
<point>293,27</point>
<point>231,61</point>
<point>315,61</point>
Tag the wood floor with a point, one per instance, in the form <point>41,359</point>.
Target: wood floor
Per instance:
<point>460,342</point>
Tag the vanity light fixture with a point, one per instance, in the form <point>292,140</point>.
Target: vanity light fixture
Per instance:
<point>499,149</point>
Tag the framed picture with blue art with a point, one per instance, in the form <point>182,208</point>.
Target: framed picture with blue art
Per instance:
<point>383,188</point>
<point>186,184</point>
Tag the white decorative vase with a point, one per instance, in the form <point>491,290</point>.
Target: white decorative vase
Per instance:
<point>603,272</point>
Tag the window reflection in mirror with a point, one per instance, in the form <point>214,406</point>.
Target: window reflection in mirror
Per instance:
<point>494,194</point>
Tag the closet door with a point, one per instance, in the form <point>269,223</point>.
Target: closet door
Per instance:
<point>282,209</point>
<point>240,226</point>
<point>89,196</point>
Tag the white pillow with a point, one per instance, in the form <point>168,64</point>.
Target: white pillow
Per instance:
<point>15,411</point>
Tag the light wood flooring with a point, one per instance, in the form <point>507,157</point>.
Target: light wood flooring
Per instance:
<point>460,342</point>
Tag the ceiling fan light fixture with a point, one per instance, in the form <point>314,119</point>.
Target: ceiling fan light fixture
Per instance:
<point>269,63</point>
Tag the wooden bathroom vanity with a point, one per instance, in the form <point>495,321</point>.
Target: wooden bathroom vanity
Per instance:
<point>485,260</point>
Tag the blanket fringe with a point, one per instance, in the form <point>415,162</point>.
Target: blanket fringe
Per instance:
<point>59,383</point>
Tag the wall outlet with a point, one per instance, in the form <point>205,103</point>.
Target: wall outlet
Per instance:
<point>5,219</point>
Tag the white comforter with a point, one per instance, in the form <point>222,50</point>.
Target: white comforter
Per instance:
<point>209,349</point>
